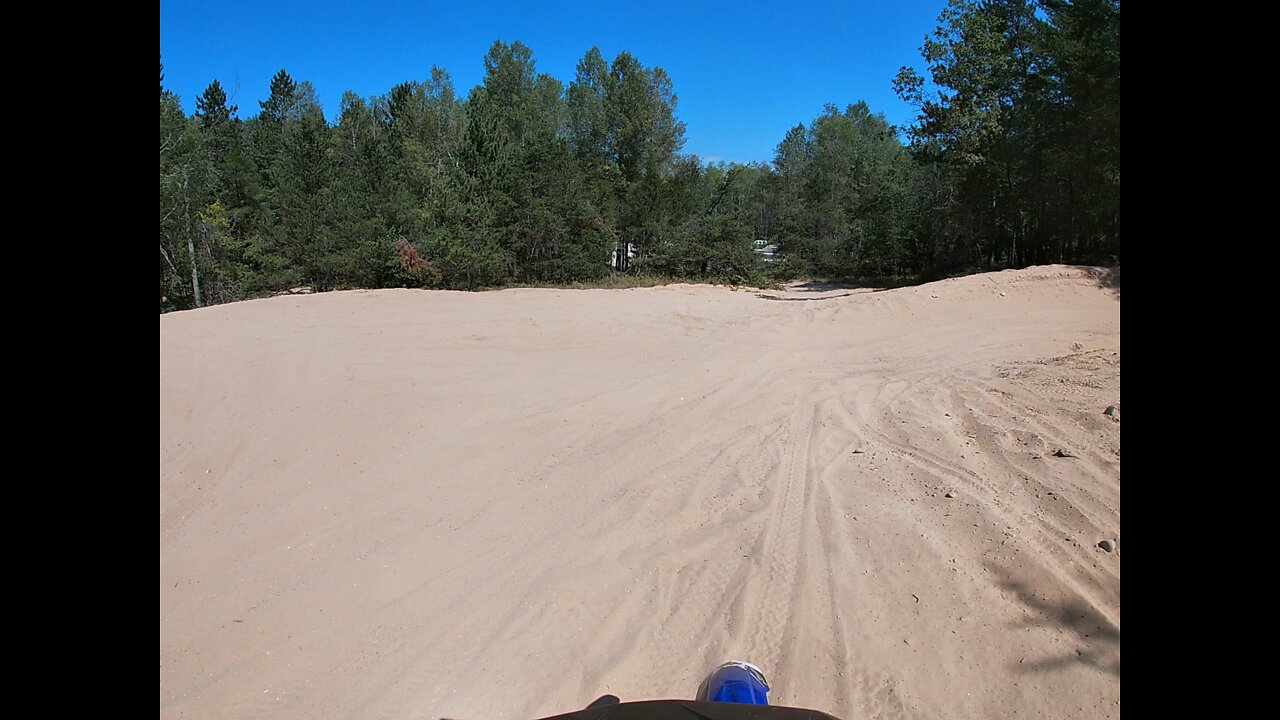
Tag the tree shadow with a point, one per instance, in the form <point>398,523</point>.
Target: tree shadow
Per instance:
<point>866,284</point>
<point>769,296</point>
<point>1097,639</point>
<point>854,286</point>
<point>1107,278</point>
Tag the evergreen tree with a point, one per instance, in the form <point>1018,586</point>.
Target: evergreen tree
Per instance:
<point>1014,159</point>
<point>212,108</point>
<point>1024,113</point>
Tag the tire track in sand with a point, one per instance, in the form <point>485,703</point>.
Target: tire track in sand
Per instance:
<point>1032,531</point>
<point>779,552</point>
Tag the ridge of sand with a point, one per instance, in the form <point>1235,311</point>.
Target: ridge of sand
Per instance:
<point>403,503</point>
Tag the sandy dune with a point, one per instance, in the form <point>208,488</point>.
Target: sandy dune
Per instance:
<point>501,505</point>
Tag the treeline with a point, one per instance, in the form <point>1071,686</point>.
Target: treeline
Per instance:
<point>1014,160</point>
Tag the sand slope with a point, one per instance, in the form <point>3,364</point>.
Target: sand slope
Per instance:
<point>501,505</point>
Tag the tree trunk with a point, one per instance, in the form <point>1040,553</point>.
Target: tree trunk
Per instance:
<point>191,246</point>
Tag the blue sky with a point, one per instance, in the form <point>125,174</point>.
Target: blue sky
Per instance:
<point>744,72</point>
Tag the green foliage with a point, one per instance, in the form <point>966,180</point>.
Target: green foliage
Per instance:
<point>843,192</point>
<point>212,108</point>
<point>1021,118</point>
<point>183,172</point>
<point>280,105</point>
<point>1015,159</point>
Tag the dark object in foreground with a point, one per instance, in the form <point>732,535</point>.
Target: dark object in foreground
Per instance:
<point>691,710</point>
<point>733,691</point>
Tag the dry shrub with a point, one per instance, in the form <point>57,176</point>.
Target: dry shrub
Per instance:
<point>412,261</point>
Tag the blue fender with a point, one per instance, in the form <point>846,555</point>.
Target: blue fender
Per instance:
<point>735,682</point>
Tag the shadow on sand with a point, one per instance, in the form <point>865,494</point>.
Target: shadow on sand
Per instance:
<point>1096,639</point>
<point>851,287</point>
<point>1108,278</point>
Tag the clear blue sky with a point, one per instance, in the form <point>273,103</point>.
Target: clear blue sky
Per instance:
<point>744,71</point>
